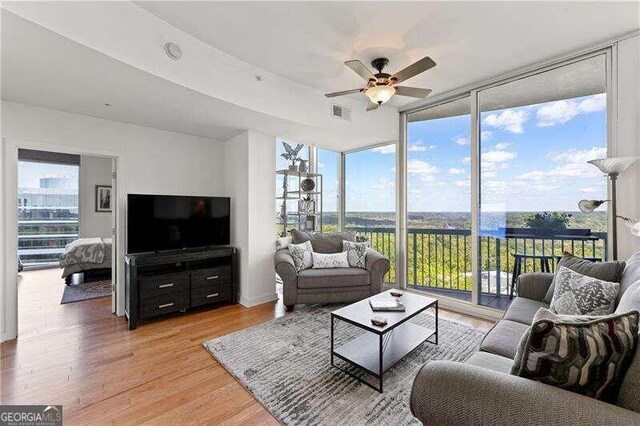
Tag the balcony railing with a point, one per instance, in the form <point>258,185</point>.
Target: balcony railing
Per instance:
<point>440,259</point>
<point>41,242</point>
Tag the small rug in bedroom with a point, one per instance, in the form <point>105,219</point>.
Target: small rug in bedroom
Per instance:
<point>285,363</point>
<point>86,291</point>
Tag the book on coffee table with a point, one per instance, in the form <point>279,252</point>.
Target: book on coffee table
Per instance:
<point>387,304</point>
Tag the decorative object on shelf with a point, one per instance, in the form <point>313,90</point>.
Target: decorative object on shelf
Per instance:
<point>307,205</point>
<point>302,168</point>
<point>611,167</point>
<point>307,185</point>
<point>291,154</point>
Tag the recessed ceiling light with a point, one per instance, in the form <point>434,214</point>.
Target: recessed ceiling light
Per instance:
<point>173,50</point>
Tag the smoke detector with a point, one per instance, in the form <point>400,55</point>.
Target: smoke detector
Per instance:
<point>173,51</point>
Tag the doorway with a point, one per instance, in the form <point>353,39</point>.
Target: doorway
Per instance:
<point>65,229</point>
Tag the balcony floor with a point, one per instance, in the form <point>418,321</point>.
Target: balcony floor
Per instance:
<point>495,301</point>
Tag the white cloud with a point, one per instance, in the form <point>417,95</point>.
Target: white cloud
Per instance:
<point>497,156</point>
<point>485,135</point>
<point>462,140</point>
<point>559,112</point>
<point>510,120</point>
<point>503,145</point>
<point>386,149</point>
<point>321,165</point>
<point>418,146</point>
<point>463,183</point>
<point>454,171</point>
<point>570,163</point>
<point>425,171</point>
<point>466,160</point>
<point>589,190</point>
<point>383,184</point>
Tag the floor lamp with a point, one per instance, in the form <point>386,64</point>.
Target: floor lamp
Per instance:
<point>611,167</point>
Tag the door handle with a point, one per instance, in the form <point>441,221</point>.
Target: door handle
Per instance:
<point>212,295</point>
<point>165,285</point>
<point>213,277</point>
<point>166,305</point>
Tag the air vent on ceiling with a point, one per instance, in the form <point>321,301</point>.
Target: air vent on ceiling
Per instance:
<point>340,112</point>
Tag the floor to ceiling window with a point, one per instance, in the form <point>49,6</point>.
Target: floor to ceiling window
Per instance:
<point>328,164</point>
<point>47,211</point>
<point>438,199</point>
<point>370,198</point>
<point>537,135</point>
<point>526,168</point>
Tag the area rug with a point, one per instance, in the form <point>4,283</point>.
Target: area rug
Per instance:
<point>285,363</point>
<point>86,291</point>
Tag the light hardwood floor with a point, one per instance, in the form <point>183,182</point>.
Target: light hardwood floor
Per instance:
<point>83,357</point>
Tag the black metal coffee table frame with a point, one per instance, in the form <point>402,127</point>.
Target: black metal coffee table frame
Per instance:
<point>408,337</point>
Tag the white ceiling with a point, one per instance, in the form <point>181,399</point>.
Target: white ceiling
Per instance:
<point>42,68</point>
<point>470,41</point>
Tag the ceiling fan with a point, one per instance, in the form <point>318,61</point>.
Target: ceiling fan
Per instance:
<point>382,86</point>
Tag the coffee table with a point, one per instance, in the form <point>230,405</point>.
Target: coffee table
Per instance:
<point>380,348</point>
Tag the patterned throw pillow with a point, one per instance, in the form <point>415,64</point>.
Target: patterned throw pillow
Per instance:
<point>301,253</point>
<point>331,260</point>
<point>586,355</point>
<point>356,253</point>
<point>577,294</point>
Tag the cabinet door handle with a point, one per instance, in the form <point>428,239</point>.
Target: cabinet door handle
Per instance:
<point>213,277</point>
<point>165,285</point>
<point>212,295</point>
<point>166,305</point>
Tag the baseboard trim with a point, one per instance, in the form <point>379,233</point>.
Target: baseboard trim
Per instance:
<point>253,301</point>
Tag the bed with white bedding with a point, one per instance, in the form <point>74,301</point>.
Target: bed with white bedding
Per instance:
<point>86,254</point>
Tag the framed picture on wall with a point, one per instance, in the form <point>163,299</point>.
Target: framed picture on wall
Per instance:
<point>103,199</point>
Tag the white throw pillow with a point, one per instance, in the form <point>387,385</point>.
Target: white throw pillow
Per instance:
<point>577,294</point>
<point>301,253</point>
<point>330,260</point>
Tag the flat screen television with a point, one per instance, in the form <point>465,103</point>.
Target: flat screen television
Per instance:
<point>169,222</point>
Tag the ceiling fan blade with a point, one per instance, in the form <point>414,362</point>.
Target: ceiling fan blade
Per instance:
<point>413,92</point>
<point>361,70</point>
<point>414,69</point>
<point>344,92</point>
<point>372,105</point>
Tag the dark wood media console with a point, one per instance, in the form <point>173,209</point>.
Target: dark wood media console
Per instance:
<point>162,283</point>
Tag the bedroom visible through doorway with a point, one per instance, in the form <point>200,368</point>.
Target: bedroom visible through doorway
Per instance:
<point>65,216</point>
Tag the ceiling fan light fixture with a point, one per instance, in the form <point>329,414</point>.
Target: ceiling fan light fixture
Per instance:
<point>380,94</point>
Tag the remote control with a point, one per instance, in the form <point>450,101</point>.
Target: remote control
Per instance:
<point>379,321</point>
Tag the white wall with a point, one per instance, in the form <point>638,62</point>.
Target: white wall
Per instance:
<point>628,139</point>
<point>93,171</point>
<point>149,161</point>
<point>250,164</point>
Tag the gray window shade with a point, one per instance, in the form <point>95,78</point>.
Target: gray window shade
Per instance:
<point>48,157</point>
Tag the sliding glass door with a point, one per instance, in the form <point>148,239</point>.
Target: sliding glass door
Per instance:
<point>438,199</point>
<point>494,178</point>
<point>536,136</point>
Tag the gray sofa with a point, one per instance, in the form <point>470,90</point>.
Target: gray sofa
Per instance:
<point>482,390</point>
<point>330,285</point>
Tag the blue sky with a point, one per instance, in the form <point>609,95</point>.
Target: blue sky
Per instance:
<point>533,158</point>
<point>29,173</point>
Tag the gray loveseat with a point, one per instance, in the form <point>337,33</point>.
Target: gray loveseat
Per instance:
<point>329,285</point>
<point>481,390</point>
